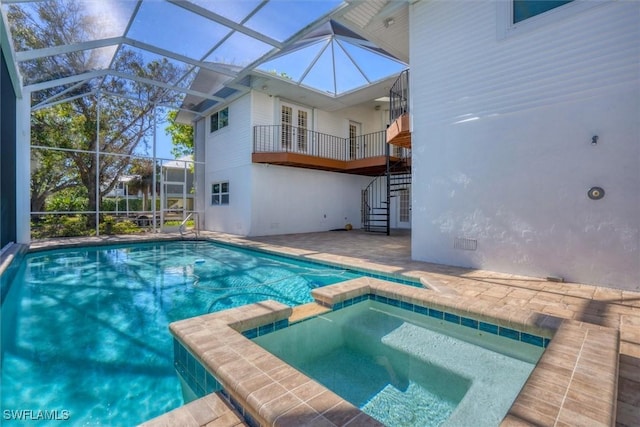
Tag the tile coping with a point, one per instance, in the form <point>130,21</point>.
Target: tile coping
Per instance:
<point>574,380</point>
<point>88,242</point>
<point>490,328</point>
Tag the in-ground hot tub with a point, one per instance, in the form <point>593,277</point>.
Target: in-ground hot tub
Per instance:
<point>218,352</point>
<point>408,368</point>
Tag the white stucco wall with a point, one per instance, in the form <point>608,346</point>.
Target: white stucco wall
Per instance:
<point>228,158</point>
<point>264,109</point>
<point>337,122</point>
<point>294,200</point>
<point>502,151</point>
<point>269,199</point>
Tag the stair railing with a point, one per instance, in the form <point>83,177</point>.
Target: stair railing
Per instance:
<point>399,97</point>
<point>376,197</point>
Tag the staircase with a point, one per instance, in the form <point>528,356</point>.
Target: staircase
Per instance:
<point>376,198</point>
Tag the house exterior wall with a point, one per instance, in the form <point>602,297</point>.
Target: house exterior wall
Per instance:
<point>294,200</point>
<point>502,132</point>
<point>228,158</point>
<point>337,122</point>
<point>264,109</point>
<point>270,199</point>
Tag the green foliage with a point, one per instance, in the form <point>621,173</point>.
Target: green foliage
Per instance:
<point>53,171</point>
<point>181,136</point>
<point>126,227</point>
<point>69,199</point>
<point>281,74</point>
<point>174,223</point>
<point>112,225</point>
<point>109,205</point>
<point>60,226</point>
<point>76,225</point>
<point>122,127</point>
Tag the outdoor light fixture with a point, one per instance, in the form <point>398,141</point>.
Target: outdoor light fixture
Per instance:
<point>388,22</point>
<point>594,140</point>
<point>595,193</point>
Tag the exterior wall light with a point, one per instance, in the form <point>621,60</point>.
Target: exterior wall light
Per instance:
<point>595,193</point>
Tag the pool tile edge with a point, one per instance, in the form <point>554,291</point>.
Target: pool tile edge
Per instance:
<point>265,387</point>
<point>591,352</point>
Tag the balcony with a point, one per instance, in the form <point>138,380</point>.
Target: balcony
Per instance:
<point>293,146</point>
<point>399,131</point>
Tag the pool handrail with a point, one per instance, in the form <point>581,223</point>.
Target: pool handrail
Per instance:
<point>196,224</point>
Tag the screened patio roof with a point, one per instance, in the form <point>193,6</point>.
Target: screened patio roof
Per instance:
<point>212,51</point>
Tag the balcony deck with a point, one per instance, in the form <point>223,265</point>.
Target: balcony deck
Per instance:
<point>399,132</point>
<point>297,147</point>
<point>370,166</point>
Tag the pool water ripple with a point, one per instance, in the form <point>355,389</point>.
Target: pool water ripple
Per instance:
<point>86,330</point>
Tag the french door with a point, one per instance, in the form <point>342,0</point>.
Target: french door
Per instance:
<point>356,147</point>
<point>295,123</point>
<point>404,208</point>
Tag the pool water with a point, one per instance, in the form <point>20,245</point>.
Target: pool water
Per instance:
<point>407,369</point>
<point>86,330</point>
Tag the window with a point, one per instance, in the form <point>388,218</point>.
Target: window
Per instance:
<point>521,16</point>
<point>219,193</point>
<point>220,119</point>
<point>525,9</point>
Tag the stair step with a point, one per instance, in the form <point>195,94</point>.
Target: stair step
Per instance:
<point>399,179</point>
<point>376,229</point>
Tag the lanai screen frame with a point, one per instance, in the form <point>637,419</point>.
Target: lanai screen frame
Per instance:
<point>250,26</point>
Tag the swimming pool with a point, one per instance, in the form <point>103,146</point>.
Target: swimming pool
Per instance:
<point>84,330</point>
<point>405,368</point>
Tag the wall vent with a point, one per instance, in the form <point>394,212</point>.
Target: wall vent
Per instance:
<point>465,244</point>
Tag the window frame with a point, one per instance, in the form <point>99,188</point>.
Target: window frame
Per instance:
<point>507,28</point>
<point>221,119</point>
<point>220,194</point>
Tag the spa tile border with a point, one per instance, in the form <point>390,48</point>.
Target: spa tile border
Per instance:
<point>468,322</point>
<point>577,370</point>
<point>262,388</point>
<point>211,410</point>
<point>422,309</point>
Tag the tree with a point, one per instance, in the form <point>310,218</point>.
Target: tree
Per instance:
<point>142,169</point>
<point>125,122</point>
<point>51,170</point>
<point>181,136</point>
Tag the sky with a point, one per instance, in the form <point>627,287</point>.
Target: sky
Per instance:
<point>163,143</point>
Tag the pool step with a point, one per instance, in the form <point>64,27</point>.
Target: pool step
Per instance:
<point>305,311</point>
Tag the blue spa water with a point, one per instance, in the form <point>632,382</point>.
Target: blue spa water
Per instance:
<point>86,330</point>
<point>407,369</point>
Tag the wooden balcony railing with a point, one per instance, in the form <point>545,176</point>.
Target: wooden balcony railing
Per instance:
<point>295,146</point>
